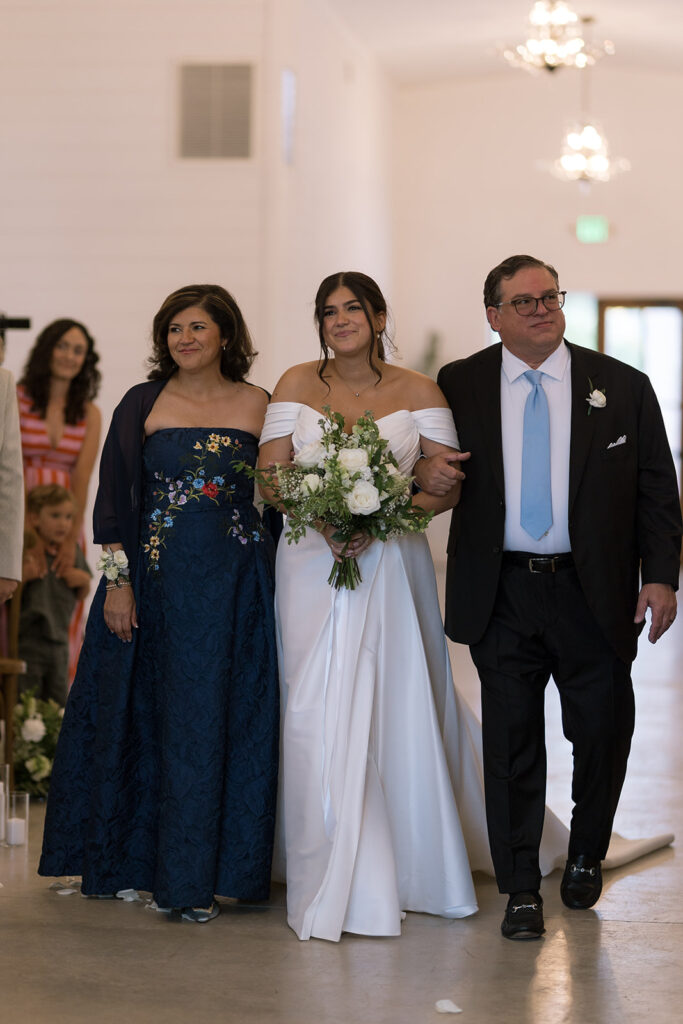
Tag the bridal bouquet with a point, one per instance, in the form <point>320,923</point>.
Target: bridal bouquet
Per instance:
<point>350,481</point>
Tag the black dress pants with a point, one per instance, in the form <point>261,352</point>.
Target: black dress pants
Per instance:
<point>542,626</point>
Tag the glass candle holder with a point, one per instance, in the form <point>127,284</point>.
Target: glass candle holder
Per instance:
<point>16,827</point>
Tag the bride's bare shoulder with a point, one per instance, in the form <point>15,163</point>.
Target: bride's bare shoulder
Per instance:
<point>421,392</point>
<point>296,383</point>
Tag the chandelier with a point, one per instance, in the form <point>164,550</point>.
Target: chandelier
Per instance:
<point>557,38</point>
<point>585,153</point>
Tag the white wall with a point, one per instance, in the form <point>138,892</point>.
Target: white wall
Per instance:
<point>468,193</point>
<point>100,219</point>
<point>331,209</point>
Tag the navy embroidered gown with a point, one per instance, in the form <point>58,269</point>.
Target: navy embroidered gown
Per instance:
<point>166,770</point>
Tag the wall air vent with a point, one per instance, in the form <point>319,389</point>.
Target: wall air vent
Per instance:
<point>215,111</point>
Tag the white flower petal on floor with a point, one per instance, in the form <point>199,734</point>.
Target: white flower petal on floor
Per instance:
<point>447,1006</point>
<point>129,896</point>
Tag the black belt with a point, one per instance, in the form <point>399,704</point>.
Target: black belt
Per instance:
<point>537,563</point>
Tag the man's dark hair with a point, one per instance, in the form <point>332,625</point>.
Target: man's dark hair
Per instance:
<point>507,269</point>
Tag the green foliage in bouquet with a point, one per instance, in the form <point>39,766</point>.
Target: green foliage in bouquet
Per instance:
<point>351,481</point>
<point>36,729</point>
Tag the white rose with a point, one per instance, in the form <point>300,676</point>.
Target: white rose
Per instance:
<point>597,399</point>
<point>310,455</point>
<point>363,499</point>
<point>112,572</point>
<point>311,482</point>
<point>33,730</point>
<point>121,559</point>
<point>353,459</point>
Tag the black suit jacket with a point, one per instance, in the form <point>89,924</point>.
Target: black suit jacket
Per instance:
<point>624,509</point>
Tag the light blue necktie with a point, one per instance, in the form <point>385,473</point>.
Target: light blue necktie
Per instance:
<point>537,509</point>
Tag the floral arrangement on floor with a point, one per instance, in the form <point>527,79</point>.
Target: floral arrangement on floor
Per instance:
<point>36,729</point>
<point>351,481</point>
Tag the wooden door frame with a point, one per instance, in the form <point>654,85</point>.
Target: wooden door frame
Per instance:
<point>633,303</point>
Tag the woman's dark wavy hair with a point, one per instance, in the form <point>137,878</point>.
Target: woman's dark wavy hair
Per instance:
<point>239,352</point>
<point>36,377</point>
<point>373,302</point>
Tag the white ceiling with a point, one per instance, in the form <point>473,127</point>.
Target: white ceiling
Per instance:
<point>425,39</point>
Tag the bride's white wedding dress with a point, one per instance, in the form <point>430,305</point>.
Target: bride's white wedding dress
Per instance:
<point>381,791</point>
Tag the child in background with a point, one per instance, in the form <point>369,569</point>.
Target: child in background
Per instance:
<point>47,600</point>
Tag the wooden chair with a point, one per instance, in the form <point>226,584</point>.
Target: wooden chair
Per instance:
<point>10,668</point>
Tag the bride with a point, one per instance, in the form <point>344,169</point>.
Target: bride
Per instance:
<point>374,749</point>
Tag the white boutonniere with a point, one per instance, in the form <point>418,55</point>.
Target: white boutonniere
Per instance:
<point>597,398</point>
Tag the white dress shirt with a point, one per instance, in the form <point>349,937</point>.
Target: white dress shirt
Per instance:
<point>514,388</point>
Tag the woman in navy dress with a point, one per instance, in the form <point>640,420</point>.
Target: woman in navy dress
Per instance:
<point>165,774</point>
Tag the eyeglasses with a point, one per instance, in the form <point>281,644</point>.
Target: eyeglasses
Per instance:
<point>527,305</point>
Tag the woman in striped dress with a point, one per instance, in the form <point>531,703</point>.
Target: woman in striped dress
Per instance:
<point>60,429</point>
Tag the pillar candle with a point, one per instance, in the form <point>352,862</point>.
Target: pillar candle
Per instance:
<point>16,831</point>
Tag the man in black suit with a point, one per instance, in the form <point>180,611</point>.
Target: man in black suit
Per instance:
<point>561,596</point>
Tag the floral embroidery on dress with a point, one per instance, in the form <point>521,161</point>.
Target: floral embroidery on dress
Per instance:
<point>192,484</point>
<point>244,534</point>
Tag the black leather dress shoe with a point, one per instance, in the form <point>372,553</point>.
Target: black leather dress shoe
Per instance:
<point>523,916</point>
<point>581,883</point>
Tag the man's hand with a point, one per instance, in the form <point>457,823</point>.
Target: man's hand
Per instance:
<point>437,474</point>
<point>7,588</point>
<point>661,599</point>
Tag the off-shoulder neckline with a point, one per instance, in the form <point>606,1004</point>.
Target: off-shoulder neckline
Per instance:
<point>411,412</point>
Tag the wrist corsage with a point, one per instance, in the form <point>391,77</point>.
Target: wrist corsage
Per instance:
<point>114,565</point>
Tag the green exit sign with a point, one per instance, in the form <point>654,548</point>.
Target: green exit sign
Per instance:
<point>592,229</point>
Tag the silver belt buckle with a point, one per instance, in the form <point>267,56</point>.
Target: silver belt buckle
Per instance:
<point>541,558</point>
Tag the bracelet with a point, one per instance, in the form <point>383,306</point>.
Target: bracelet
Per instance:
<point>114,565</point>
<point>122,581</point>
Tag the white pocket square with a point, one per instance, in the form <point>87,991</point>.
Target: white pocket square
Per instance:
<point>619,440</point>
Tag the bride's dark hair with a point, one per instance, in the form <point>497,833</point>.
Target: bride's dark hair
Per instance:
<point>373,303</point>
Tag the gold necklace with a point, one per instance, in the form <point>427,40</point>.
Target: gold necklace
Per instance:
<point>356,394</point>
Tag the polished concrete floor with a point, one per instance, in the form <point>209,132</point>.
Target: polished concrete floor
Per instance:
<point>66,959</point>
